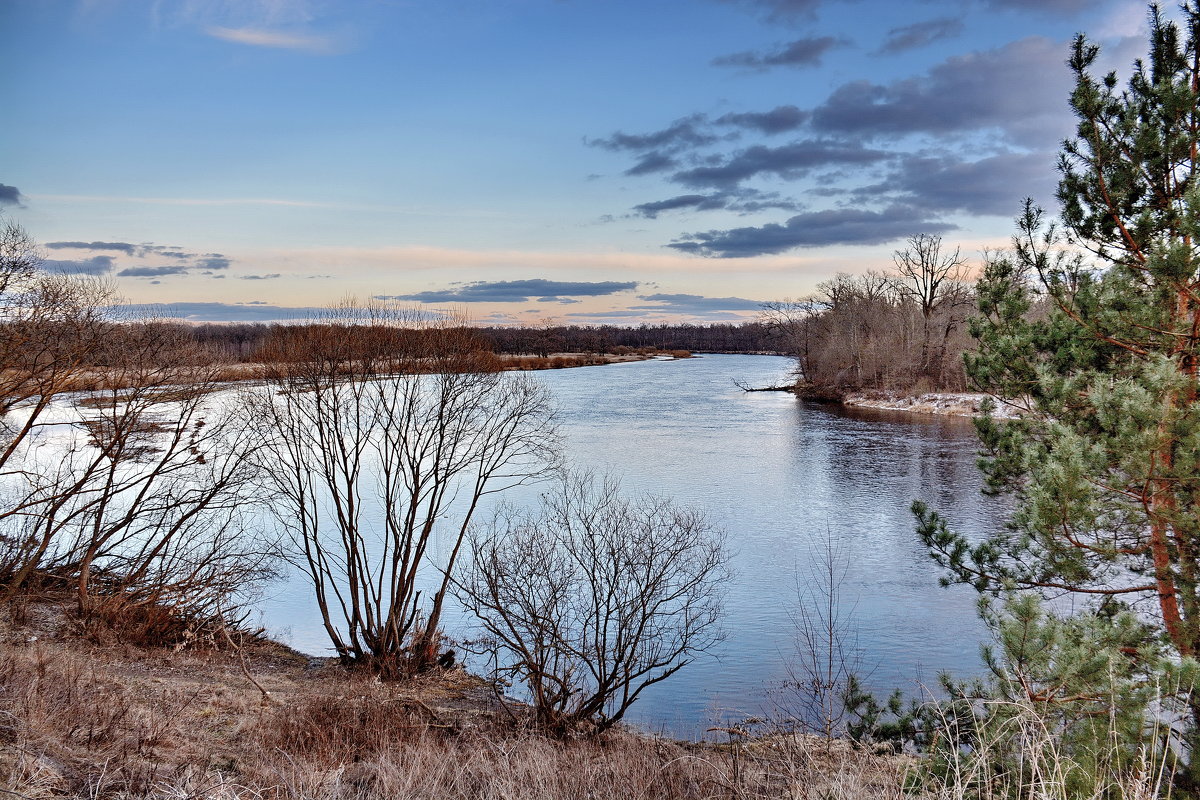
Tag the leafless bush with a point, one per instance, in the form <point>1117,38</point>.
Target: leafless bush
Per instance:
<point>133,495</point>
<point>826,658</point>
<point>380,453</point>
<point>594,598</point>
<point>137,495</point>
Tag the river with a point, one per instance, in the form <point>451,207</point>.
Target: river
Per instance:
<point>783,478</point>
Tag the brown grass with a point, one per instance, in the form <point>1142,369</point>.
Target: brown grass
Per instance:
<point>81,719</point>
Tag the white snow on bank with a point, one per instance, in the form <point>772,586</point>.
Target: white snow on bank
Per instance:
<point>950,404</point>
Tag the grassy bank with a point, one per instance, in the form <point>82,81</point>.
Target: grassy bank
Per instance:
<point>85,714</point>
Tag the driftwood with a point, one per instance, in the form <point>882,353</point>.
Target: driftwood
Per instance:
<point>745,387</point>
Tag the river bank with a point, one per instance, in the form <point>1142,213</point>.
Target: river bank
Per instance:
<point>943,404</point>
<point>946,404</point>
<point>85,713</point>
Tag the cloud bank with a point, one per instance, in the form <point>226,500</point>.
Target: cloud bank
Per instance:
<point>518,291</point>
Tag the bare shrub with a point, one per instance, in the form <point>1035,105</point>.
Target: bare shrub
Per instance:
<point>388,430</point>
<point>594,598</point>
<point>134,494</point>
<point>137,495</point>
<point>826,661</point>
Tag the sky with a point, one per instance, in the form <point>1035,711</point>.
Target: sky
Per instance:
<point>527,161</point>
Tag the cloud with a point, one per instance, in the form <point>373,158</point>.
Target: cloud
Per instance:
<point>11,196</point>
<point>799,53</point>
<point>186,260</point>
<point>98,265</point>
<point>994,185</point>
<point>788,161</point>
<point>140,250</point>
<point>699,202</point>
<point>269,277</point>
<point>694,303</point>
<point>651,163</point>
<point>259,37</point>
<point>124,247</point>
<point>516,291</point>
<point>151,272</point>
<point>682,133</point>
<point>1017,89</point>
<point>742,201</point>
<point>813,229</point>
<point>213,261</point>
<point>778,120</point>
<point>920,34</point>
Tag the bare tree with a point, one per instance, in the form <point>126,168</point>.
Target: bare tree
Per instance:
<point>594,598</point>
<point>20,259</point>
<point>387,433</point>
<point>936,281</point>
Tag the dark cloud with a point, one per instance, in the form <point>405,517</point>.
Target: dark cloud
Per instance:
<point>778,120</point>
<point>186,261</point>
<point>98,265</point>
<point>270,277</point>
<point>1017,89</point>
<point>920,34</point>
<point>11,196</point>
<point>563,300</point>
<point>799,53</point>
<point>994,185</point>
<point>682,133</point>
<point>209,261</point>
<point>743,201</point>
<point>699,202</point>
<point>123,247</point>
<point>151,272</point>
<point>650,163</point>
<point>694,303</point>
<point>813,229</point>
<point>788,161</point>
<point>516,291</point>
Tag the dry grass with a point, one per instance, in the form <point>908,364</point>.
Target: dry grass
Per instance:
<point>81,719</point>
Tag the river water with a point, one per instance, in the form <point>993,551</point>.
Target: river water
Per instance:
<point>784,478</point>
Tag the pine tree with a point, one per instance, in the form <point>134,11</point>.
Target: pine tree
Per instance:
<point>1092,326</point>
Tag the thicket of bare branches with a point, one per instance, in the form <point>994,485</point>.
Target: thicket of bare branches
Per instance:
<point>378,458</point>
<point>904,330</point>
<point>131,495</point>
<point>594,598</point>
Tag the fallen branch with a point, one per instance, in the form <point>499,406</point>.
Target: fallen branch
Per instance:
<point>745,387</point>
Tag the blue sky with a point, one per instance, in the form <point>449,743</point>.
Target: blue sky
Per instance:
<point>522,160</point>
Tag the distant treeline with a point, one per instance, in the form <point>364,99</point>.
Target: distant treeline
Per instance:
<point>257,341</point>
